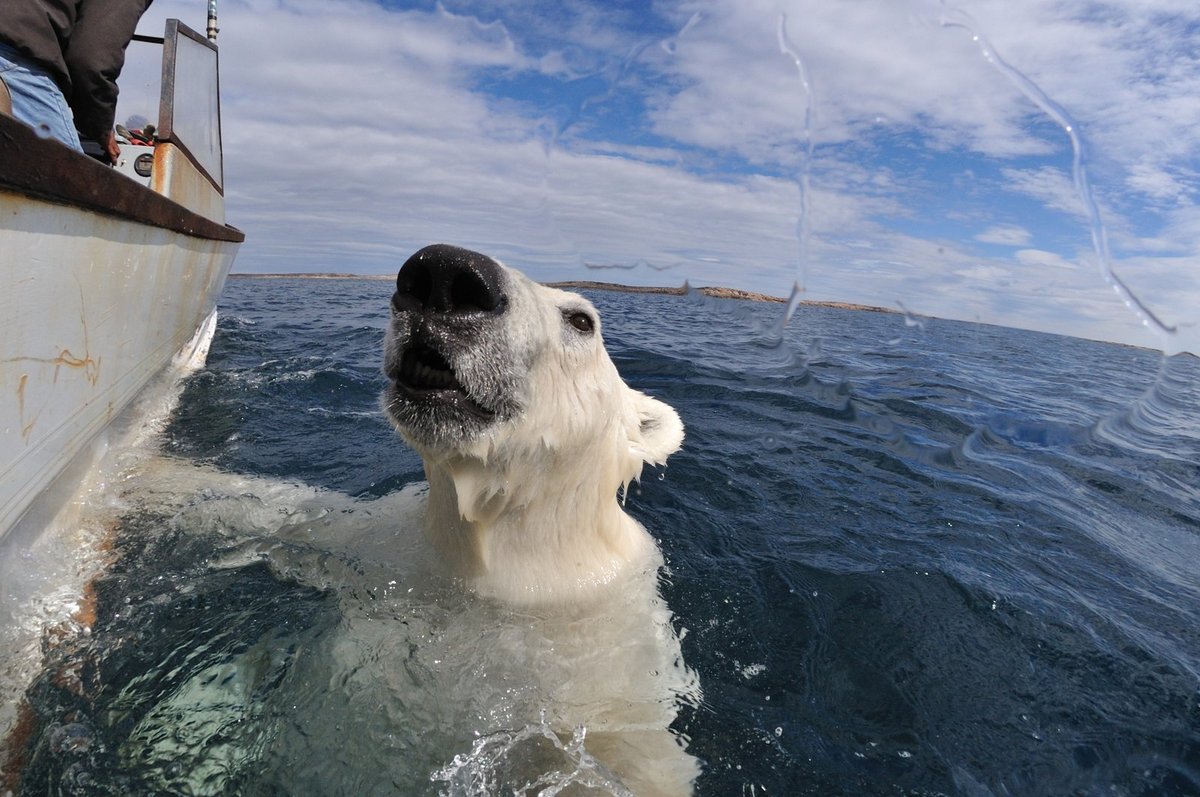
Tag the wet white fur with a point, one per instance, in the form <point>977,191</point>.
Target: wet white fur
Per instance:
<point>530,510</point>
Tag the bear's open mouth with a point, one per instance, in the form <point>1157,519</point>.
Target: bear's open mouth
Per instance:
<point>423,368</point>
<point>425,377</point>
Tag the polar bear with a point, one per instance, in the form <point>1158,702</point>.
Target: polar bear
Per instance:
<point>529,439</point>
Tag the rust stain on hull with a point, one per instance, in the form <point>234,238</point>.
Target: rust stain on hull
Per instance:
<point>26,425</point>
<point>91,367</point>
<point>66,358</point>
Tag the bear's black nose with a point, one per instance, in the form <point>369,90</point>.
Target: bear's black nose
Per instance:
<point>448,279</point>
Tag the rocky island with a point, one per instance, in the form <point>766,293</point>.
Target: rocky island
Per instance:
<point>591,285</point>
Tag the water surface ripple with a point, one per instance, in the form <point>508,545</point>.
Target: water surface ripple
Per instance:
<point>954,559</point>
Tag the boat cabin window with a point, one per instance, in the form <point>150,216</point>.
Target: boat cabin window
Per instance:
<point>190,100</point>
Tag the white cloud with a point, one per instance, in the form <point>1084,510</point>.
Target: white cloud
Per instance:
<point>356,133</point>
<point>1050,186</point>
<point>1005,235</point>
<point>1157,183</point>
<point>1038,257</point>
<point>988,273</point>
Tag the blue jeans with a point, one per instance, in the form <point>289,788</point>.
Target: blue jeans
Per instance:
<point>36,99</point>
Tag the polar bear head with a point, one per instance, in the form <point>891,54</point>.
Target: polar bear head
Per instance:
<point>527,432</point>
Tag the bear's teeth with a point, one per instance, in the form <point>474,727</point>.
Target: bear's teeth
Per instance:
<point>435,378</point>
<point>427,370</point>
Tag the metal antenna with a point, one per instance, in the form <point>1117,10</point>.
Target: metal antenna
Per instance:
<point>212,20</point>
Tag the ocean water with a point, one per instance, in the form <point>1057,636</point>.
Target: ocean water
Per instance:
<point>935,558</point>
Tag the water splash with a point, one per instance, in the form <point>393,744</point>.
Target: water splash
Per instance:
<point>803,224</point>
<point>501,763</point>
<point>911,321</point>
<point>957,18</point>
<point>793,303</point>
<point>671,45</point>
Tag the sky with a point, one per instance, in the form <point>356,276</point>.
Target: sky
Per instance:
<point>909,154</point>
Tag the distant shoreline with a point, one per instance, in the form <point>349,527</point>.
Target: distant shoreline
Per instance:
<point>717,293</point>
<point>712,292</point>
<point>332,275</point>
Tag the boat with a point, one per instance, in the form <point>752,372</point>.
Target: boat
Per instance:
<point>109,280</point>
<point>109,277</point>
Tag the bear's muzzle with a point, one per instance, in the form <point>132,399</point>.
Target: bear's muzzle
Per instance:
<point>449,280</point>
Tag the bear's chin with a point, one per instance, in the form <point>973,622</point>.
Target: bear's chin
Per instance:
<point>426,399</point>
<point>436,416</point>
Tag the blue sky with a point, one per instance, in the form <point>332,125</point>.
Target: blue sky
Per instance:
<point>655,143</point>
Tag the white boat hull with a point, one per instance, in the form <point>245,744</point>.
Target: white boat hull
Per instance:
<point>93,308</point>
<point>109,279</point>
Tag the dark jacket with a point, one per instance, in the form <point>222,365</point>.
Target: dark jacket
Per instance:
<point>81,44</point>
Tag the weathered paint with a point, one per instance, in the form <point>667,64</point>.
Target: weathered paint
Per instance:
<point>175,176</point>
<point>92,306</point>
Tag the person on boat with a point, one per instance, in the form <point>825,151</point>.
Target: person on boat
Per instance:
<point>59,63</point>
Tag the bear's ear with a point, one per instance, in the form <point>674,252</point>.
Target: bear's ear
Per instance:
<point>659,433</point>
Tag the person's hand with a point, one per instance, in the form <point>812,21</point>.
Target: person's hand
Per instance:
<point>108,143</point>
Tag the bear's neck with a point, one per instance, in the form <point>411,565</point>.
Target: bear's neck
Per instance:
<point>531,541</point>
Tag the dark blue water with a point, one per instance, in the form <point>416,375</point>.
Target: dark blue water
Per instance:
<point>949,559</point>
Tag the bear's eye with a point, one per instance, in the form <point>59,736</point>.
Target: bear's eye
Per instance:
<point>581,321</point>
